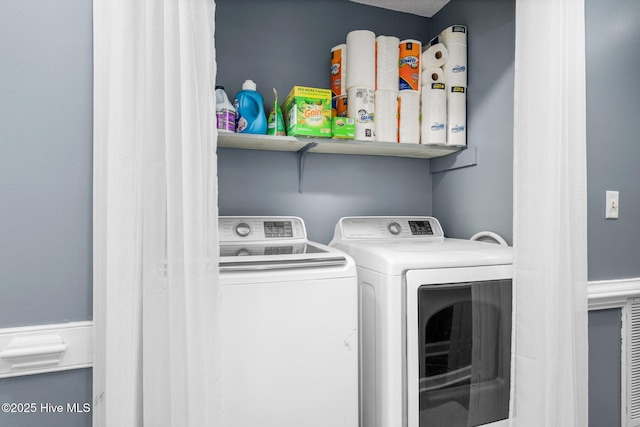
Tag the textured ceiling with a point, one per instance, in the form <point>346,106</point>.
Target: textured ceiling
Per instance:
<point>426,8</point>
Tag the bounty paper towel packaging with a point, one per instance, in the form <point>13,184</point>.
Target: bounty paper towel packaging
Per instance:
<point>339,106</point>
<point>409,65</point>
<point>339,70</point>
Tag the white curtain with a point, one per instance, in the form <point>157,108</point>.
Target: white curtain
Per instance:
<point>156,296</point>
<point>550,231</point>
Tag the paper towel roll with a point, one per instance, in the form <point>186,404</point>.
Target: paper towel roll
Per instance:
<point>409,65</point>
<point>409,117</point>
<point>361,107</point>
<point>339,70</point>
<point>455,34</point>
<point>387,52</point>
<point>361,58</point>
<point>435,56</point>
<point>455,70</point>
<point>386,117</point>
<point>433,126</point>
<point>457,116</point>
<point>432,75</point>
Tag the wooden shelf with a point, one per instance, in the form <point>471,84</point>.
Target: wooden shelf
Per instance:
<point>332,146</point>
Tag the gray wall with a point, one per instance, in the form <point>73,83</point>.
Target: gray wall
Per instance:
<point>604,368</point>
<point>46,134</point>
<point>481,197</point>
<point>613,141</point>
<point>57,388</point>
<point>613,156</point>
<point>45,188</point>
<point>283,43</point>
<point>45,161</point>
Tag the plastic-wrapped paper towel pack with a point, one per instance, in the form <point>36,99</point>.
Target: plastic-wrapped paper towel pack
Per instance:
<point>361,82</point>
<point>361,107</point>
<point>444,86</point>
<point>398,92</point>
<point>433,126</point>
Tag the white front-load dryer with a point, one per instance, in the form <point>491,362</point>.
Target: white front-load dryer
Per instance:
<point>289,326</point>
<point>435,323</point>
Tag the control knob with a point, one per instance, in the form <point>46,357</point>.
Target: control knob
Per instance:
<point>243,229</point>
<point>394,228</point>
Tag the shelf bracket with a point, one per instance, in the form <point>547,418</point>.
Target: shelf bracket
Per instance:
<point>302,153</point>
<point>461,159</point>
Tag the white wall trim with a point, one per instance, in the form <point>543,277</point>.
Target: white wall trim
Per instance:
<point>59,347</point>
<point>612,293</point>
<point>39,349</point>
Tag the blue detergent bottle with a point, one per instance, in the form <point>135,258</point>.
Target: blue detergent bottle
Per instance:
<point>249,104</point>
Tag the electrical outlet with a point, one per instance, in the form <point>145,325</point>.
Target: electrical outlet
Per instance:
<point>612,205</point>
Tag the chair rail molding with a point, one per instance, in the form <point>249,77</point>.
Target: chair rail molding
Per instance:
<point>606,294</point>
<point>40,349</point>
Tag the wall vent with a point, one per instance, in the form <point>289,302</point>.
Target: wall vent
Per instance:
<point>633,362</point>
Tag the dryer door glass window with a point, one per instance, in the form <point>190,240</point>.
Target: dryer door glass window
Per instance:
<point>464,353</point>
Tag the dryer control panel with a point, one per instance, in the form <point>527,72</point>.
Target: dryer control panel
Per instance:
<point>256,229</point>
<point>388,227</point>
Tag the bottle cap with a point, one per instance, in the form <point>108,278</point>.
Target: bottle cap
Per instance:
<point>220,87</point>
<point>249,85</point>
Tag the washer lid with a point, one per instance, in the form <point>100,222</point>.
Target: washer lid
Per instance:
<point>376,244</point>
<point>249,244</point>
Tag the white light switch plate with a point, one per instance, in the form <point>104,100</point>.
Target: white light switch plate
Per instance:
<point>612,205</point>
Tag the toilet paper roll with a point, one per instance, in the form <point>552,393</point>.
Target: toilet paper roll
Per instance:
<point>433,112</point>
<point>457,116</point>
<point>361,107</point>
<point>435,56</point>
<point>386,115</point>
<point>409,65</point>
<point>432,75</point>
<point>456,34</point>
<point>361,58</point>
<point>387,52</point>
<point>409,117</point>
<point>339,70</point>
<point>455,70</point>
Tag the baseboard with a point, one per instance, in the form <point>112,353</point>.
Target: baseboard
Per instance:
<point>40,349</point>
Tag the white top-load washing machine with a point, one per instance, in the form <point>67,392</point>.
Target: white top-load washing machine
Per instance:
<point>435,323</point>
<point>289,325</point>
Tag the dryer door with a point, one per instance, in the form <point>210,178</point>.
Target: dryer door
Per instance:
<point>459,359</point>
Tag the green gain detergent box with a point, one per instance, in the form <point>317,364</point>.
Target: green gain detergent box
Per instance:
<point>307,112</point>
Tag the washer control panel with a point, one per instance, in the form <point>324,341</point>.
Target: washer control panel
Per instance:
<point>256,229</point>
<point>389,228</point>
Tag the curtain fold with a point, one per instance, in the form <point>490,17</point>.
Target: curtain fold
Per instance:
<point>156,296</point>
<point>550,230</point>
